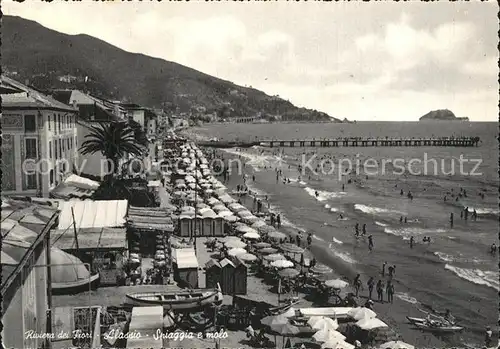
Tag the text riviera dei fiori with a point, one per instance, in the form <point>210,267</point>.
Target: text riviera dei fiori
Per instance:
<point>117,334</point>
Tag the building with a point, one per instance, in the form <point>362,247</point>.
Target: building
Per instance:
<point>93,112</point>
<point>143,116</point>
<point>40,140</point>
<point>25,274</point>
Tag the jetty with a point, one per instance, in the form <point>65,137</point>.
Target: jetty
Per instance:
<point>350,142</point>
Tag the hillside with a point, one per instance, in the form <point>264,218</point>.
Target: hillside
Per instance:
<point>31,51</point>
<point>442,114</point>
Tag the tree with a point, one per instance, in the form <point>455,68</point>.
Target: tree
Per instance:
<point>114,140</point>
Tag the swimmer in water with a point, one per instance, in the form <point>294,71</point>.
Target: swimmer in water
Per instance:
<point>316,193</point>
<point>412,240</point>
<point>493,248</point>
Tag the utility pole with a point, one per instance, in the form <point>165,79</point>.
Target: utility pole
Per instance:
<point>74,230</point>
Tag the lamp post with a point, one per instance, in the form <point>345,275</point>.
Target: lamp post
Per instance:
<point>49,320</point>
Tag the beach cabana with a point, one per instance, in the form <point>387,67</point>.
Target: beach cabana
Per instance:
<point>227,276</point>
<point>213,272</point>
<point>240,275</point>
<point>185,265</point>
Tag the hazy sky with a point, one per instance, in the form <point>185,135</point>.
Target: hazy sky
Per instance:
<point>364,61</point>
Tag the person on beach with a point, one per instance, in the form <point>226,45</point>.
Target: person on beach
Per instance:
<point>401,192</point>
<point>493,248</point>
<point>406,220</point>
<point>278,220</point>
<point>390,292</point>
<point>383,268</point>
<point>343,187</point>
<point>474,215</point>
<point>364,229</point>
<point>380,291</point>
<point>489,337</point>
<point>466,213</point>
<point>370,242</point>
<point>451,220</point>
<point>298,240</point>
<point>309,240</point>
<point>412,240</point>
<point>391,270</point>
<point>370,284</point>
<point>401,220</point>
<point>253,178</point>
<point>357,284</point>
<point>356,228</point>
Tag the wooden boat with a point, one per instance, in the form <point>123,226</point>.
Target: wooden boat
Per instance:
<point>439,328</point>
<point>186,300</point>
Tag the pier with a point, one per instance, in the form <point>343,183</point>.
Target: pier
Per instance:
<point>351,142</point>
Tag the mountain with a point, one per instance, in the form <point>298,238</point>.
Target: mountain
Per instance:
<point>50,60</point>
<point>442,114</point>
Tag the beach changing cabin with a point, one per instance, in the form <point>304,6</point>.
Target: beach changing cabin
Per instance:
<point>185,265</point>
<point>213,273</point>
<point>207,223</point>
<point>233,277</point>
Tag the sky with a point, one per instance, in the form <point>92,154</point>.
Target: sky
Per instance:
<point>360,60</point>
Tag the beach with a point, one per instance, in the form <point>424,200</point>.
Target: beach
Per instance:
<point>453,272</point>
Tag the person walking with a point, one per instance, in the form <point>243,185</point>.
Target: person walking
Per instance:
<point>383,268</point>
<point>370,284</point>
<point>390,292</point>
<point>380,291</point>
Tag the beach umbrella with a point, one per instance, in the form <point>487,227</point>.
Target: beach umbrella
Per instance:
<point>289,273</point>
<point>291,312</point>
<point>231,219</point>
<point>225,214</point>
<point>235,244</point>
<point>285,329</point>
<point>220,207</point>
<point>370,324</point>
<point>291,248</point>
<point>266,229</point>
<point>261,245</point>
<point>251,219</point>
<point>274,257</point>
<point>243,228</point>
<point>336,283</point>
<point>326,335</point>
<point>325,323</point>
<point>276,235</point>
<point>252,235</point>
<point>268,250</point>
<point>236,207</point>
<point>259,223</point>
<point>244,213</point>
<point>396,345</point>
<point>337,344</point>
<point>360,313</point>
<point>282,264</point>
<point>247,257</point>
<point>320,269</point>
<point>213,201</point>
<point>236,251</point>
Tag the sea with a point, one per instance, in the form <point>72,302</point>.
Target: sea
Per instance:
<point>454,271</point>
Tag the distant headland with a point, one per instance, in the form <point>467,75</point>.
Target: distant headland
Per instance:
<point>442,114</point>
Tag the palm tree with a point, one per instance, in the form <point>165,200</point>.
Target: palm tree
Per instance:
<point>114,140</point>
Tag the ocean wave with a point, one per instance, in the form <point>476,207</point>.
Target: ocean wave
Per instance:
<point>459,259</point>
<point>380,224</point>
<point>476,276</point>
<point>406,297</point>
<point>317,237</point>
<point>485,211</point>
<point>344,256</point>
<point>324,195</point>
<point>337,241</point>
<point>406,233</point>
<point>256,161</point>
<point>376,210</point>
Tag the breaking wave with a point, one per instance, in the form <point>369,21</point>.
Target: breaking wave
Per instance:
<point>406,233</point>
<point>324,195</point>
<point>476,276</point>
<point>376,210</point>
<point>406,297</point>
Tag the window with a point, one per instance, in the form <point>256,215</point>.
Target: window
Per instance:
<point>29,123</point>
<point>31,148</point>
<point>50,149</point>
<point>71,142</point>
<point>60,148</point>
<point>59,122</point>
<point>67,143</point>
<point>50,120</point>
<point>63,145</point>
<point>76,141</point>
<point>31,181</point>
<point>51,177</point>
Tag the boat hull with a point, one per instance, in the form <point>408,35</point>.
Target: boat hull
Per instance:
<point>441,329</point>
<point>207,299</point>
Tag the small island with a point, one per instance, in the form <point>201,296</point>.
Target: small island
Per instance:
<point>442,114</point>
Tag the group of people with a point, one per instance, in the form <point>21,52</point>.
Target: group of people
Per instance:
<point>379,286</point>
<point>363,233</point>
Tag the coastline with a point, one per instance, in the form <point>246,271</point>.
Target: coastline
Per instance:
<point>393,315</point>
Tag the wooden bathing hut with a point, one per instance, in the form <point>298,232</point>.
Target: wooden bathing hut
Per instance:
<point>233,277</point>
<point>240,277</point>
<point>213,274</point>
<point>185,265</point>
<point>145,223</point>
